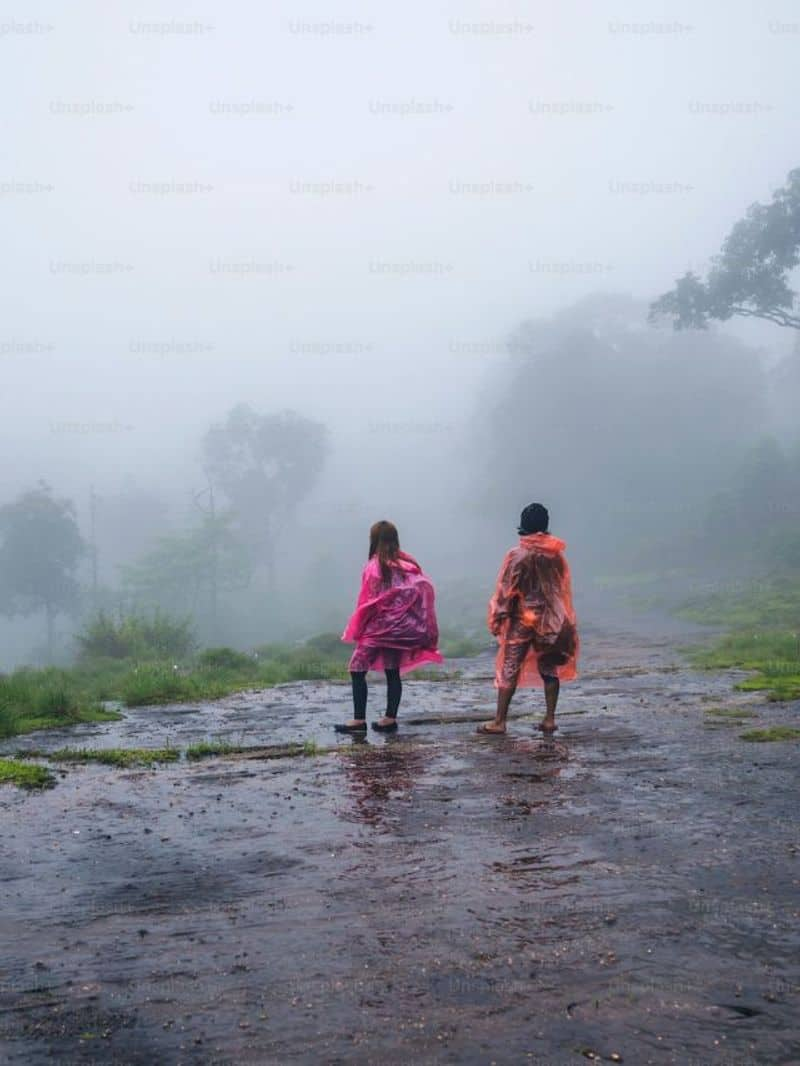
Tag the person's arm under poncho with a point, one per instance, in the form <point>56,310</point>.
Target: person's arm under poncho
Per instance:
<point>502,601</point>
<point>365,604</point>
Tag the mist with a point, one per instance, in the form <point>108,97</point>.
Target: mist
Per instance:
<point>435,233</point>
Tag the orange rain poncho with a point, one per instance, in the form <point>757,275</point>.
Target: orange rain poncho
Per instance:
<point>532,616</point>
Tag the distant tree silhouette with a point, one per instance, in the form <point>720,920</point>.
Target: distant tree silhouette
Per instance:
<point>264,464</point>
<point>750,277</point>
<point>40,550</point>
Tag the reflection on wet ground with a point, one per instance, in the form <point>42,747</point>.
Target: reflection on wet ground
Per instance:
<point>429,897</point>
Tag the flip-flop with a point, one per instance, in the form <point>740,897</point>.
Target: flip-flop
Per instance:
<point>391,728</point>
<point>489,732</point>
<point>345,727</point>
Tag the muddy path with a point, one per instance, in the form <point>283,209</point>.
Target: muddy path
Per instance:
<point>435,897</point>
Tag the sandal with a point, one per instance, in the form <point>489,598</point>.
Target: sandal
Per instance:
<point>346,727</point>
<point>389,728</point>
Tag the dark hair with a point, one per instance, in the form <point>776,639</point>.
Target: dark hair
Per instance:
<point>385,543</point>
<point>534,519</point>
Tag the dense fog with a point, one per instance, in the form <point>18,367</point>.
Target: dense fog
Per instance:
<point>412,252</point>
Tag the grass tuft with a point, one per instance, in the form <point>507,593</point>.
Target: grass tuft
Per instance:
<point>773,654</point>
<point>775,732</point>
<point>121,757</point>
<point>24,775</point>
<point>206,749</point>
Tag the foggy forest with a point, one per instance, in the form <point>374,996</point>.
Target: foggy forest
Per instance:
<point>274,275</point>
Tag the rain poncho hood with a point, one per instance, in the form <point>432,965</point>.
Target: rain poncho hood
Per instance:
<point>532,609</point>
<point>400,616</point>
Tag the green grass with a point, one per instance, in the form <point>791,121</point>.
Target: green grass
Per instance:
<point>764,619</point>
<point>773,655</point>
<point>160,683</point>
<point>752,650</point>
<point>771,603</point>
<point>322,658</point>
<point>729,712</point>
<point>46,699</point>
<point>434,675</point>
<point>764,622</point>
<point>454,645</point>
<point>206,749</point>
<point>24,775</point>
<point>719,717</point>
<point>122,757</point>
<point>33,699</point>
<point>159,637</point>
<point>775,732</point>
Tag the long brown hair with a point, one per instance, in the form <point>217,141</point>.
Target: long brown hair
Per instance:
<point>384,542</point>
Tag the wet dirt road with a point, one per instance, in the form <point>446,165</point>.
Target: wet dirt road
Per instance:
<point>435,897</point>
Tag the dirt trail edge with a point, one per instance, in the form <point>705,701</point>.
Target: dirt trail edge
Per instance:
<point>437,897</point>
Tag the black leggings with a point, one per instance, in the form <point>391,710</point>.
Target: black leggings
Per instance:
<point>394,690</point>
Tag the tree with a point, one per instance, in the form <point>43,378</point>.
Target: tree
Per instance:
<point>750,276</point>
<point>40,550</point>
<point>184,572</point>
<point>265,465</point>
<point>620,429</point>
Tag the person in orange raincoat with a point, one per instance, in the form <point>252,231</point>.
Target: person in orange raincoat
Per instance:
<point>532,616</point>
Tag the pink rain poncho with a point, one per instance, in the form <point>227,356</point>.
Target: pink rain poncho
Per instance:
<point>394,626</point>
<point>532,615</point>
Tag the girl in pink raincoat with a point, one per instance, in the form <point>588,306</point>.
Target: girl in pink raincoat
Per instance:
<point>393,626</point>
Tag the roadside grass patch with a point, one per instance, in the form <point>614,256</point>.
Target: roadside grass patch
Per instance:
<point>45,699</point>
<point>435,675</point>
<point>773,654</point>
<point>321,658</point>
<point>33,699</point>
<point>730,712</point>
<point>775,732</point>
<point>120,757</point>
<point>206,749</point>
<point>717,717</point>
<point>25,775</point>
<point>771,603</point>
<point>159,683</point>
<point>779,686</point>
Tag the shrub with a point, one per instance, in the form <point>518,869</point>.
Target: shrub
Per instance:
<point>156,683</point>
<point>226,659</point>
<point>330,645</point>
<point>159,637</point>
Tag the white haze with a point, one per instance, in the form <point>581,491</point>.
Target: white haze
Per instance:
<point>632,137</point>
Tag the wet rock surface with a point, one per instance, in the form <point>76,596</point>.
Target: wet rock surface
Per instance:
<point>429,897</point>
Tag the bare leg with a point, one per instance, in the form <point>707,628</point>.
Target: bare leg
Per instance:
<point>498,724</point>
<point>551,689</point>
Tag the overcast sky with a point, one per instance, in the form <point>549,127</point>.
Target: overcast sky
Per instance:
<point>345,211</point>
